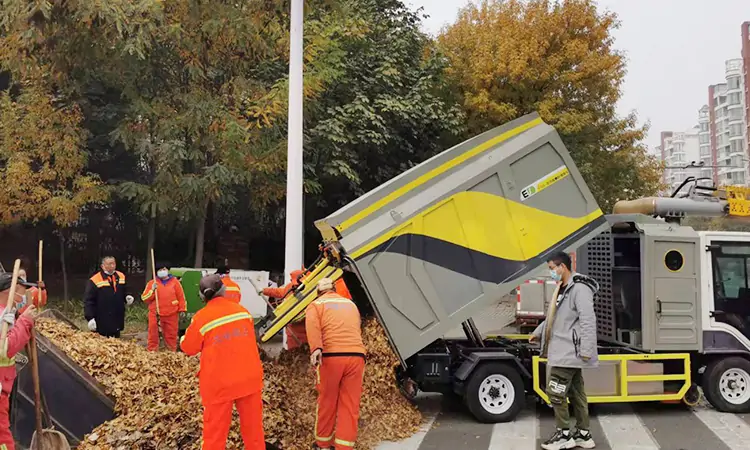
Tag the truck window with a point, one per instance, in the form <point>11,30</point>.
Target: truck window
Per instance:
<point>731,265</point>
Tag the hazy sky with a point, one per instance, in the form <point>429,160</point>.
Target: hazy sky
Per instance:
<point>675,49</point>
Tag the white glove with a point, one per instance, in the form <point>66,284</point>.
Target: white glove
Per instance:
<point>8,316</point>
<point>129,299</point>
<point>92,324</point>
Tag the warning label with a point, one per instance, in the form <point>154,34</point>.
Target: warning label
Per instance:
<point>544,182</point>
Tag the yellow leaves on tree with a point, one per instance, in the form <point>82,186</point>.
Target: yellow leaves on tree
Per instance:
<point>512,57</point>
<point>42,160</point>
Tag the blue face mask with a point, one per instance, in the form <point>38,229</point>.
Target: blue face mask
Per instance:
<point>22,303</point>
<point>555,276</point>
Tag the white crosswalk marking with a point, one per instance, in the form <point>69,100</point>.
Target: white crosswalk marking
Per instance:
<point>728,427</point>
<point>521,434</point>
<point>413,442</point>
<point>625,431</point>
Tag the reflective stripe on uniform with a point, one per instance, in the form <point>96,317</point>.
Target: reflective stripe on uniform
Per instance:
<point>102,284</point>
<point>343,442</point>
<point>231,289</point>
<point>333,300</point>
<point>224,320</point>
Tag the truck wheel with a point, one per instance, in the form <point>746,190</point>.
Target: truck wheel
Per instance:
<point>495,393</point>
<point>726,385</point>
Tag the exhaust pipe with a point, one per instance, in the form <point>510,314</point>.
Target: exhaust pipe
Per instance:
<point>672,207</point>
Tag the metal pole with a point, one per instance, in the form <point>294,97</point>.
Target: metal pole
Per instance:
<point>293,256</point>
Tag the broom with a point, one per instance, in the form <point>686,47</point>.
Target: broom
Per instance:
<point>42,439</point>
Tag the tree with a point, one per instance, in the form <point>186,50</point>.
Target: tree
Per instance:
<point>385,112</point>
<point>513,57</point>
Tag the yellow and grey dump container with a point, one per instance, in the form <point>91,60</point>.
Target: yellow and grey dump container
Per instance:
<point>442,241</point>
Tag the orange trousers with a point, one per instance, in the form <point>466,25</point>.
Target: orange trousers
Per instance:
<point>169,326</point>
<point>295,330</point>
<point>217,419</point>
<point>6,438</point>
<point>339,387</point>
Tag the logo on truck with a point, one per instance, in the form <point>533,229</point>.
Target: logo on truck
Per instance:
<point>544,182</point>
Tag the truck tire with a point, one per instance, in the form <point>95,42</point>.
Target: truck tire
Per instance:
<point>495,393</point>
<point>726,384</point>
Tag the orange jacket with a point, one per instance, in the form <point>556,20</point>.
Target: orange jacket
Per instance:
<point>340,287</point>
<point>171,296</point>
<point>281,292</point>
<point>333,325</point>
<point>232,289</point>
<point>222,332</point>
<point>32,294</point>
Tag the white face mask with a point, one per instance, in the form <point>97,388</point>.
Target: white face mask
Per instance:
<point>162,273</point>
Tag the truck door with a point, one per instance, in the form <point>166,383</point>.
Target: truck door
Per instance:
<point>675,293</point>
<point>729,294</point>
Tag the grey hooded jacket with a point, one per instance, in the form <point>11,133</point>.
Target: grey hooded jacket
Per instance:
<point>573,332</point>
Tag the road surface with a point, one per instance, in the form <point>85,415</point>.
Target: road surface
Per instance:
<point>614,427</point>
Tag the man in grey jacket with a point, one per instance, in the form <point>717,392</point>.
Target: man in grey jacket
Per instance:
<point>568,340</point>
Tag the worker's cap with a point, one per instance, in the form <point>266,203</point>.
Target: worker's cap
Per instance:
<point>210,285</point>
<point>6,279</point>
<point>222,266</point>
<point>325,284</point>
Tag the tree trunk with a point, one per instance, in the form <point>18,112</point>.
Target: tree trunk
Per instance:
<point>66,297</point>
<point>151,239</point>
<point>200,235</point>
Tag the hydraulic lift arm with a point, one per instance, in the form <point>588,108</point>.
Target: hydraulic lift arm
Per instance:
<point>699,200</point>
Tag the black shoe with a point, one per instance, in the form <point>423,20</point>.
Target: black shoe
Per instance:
<point>584,440</point>
<point>561,440</point>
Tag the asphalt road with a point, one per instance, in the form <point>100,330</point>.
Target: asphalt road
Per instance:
<point>614,427</point>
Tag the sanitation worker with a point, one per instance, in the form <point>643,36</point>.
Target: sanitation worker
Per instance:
<point>334,330</point>
<point>568,340</point>
<point>231,374</point>
<point>172,304</point>
<point>104,299</point>
<point>36,296</point>
<point>19,333</point>
<point>294,333</point>
<point>232,288</point>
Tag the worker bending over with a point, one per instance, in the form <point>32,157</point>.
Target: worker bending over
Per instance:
<point>295,331</point>
<point>568,339</point>
<point>230,373</point>
<point>36,296</point>
<point>19,333</point>
<point>168,290</point>
<point>232,288</point>
<point>334,330</point>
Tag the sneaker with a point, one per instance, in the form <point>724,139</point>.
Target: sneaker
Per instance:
<point>561,440</point>
<point>583,439</point>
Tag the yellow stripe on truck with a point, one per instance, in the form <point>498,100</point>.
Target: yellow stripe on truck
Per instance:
<point>436,172</point>
<point>488,224</point>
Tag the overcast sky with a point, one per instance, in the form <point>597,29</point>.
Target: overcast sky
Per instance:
<point>675,49</point>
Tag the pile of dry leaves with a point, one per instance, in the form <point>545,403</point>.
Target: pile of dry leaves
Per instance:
<point>158,405</point>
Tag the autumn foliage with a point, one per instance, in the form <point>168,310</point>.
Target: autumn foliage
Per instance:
<point>513,57</point>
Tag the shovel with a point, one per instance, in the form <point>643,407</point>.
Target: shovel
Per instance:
<point>42,439</point>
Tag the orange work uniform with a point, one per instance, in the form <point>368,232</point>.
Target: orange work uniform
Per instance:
<point>340,287</point>
<point>230,374</point>
<point>334,326</point>
<point>231,288</point>
<point>171,303</point>
<point>295,329</point>
<point>36,297</point>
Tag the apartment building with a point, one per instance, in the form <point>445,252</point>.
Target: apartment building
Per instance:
<point>728,127</point>
<point>746,81</point>
<point>681,149</point>
<point>707,158</point>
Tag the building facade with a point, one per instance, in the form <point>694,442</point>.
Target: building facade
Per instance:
<point>707,157</point>
<point>681,150</point>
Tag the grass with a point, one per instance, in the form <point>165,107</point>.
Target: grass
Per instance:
<point>136,315</point>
